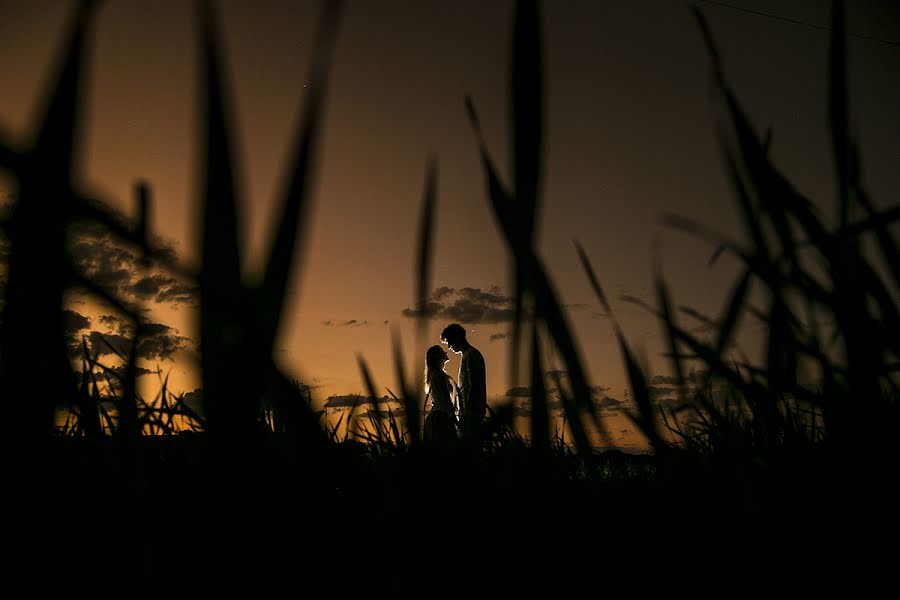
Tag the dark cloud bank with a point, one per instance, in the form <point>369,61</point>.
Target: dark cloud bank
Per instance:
<point>349,323</point>
<point>158,341</point>
<point>119,269</point>
<point>467,305</point>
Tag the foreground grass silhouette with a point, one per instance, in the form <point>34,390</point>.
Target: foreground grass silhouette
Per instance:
<point>786,489</point>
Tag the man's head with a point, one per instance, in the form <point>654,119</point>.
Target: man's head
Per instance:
<point>454,336</point>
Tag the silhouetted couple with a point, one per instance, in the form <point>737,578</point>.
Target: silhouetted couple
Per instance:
<point>457,407</point>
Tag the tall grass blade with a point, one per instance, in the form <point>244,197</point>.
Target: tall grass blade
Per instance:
<point>504,213</point>
<point>394,428</point>
<point>837,111</point>
<point>283,253</point>
<point>547,305</point>
<point>129,427</point>
<point>55,148</point>
<point>640,392</point>
<point>89,416</point>
<point>349,424</point>
<point>110,423</point>
<point>733,311</point>
<point>37,266</point>
<point>228,402</point>
<point>9,158</point>
<point>142,193</point>
<point>550,310</point>
<point>527,115</point>
<point>370,388</point>
<point>592,278</point>
<point>540,423</point>
<point>668,319</point>
<point>749,211</point>
<point>409,399</point>
<point>526,142</point>
<point>425,250</point>
<point>879,223</point>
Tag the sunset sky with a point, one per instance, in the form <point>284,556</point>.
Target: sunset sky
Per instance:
<point>631,132</point>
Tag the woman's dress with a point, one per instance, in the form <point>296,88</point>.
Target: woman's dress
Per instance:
<point>440,424</point>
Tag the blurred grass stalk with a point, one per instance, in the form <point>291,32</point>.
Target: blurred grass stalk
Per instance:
<point>35,372</point>
<point>791,253</point>
<point>834,388</point>
<point>239,321</point>
<point>811,273</point>
<point>535,299</point>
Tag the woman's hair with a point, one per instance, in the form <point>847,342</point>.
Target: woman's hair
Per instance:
<point>434,361</point>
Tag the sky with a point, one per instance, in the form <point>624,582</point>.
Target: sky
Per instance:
<point>631,135</point>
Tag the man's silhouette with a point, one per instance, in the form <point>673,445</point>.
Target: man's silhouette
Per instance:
<point>471,380</point>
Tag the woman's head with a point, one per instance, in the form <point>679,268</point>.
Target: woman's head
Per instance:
<point>435,358</point>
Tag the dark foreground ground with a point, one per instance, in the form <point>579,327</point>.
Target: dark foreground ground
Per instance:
<point>163,519</point>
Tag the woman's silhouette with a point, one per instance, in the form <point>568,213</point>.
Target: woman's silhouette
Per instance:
<point>440,424</point>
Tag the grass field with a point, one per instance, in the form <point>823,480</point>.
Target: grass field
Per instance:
<point>762,483</point>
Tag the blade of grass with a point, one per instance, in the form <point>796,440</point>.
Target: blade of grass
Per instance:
<point>370,388</point>
<point>540,425</point>
<point>837,111</point>
<point>284,252</point>
<point>408,399</point>
<point>424,254</point>
<point>32,314</point>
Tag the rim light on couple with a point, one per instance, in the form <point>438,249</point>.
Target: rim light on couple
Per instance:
<point>456,408</point>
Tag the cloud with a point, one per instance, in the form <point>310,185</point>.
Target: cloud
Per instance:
<point>695,376</point>
<point>122,370</point>
<point>110,321</point>
<point>521,395</point>
<point>114,324</point>
<point>518,392</point>
<point>562,375</point>
<point>119,372</point>
<point>466,305</point>
<point>397,413</point>
<point>350,323</point>
<point>178,293</point>
<point>521,410</point>
<point>107,344</point>
<point>112,265</point>
<point>157,342</point>
<point>160,343</point>
<point>73,324</point>
<point>658,391</point>
<point>522,405</point>
<point>161,289</point>
<point>608,403</point>
<point>350,400</point>
<point>73,321</point>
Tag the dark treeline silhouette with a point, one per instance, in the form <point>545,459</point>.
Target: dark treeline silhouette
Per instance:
<point>761,484</point>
